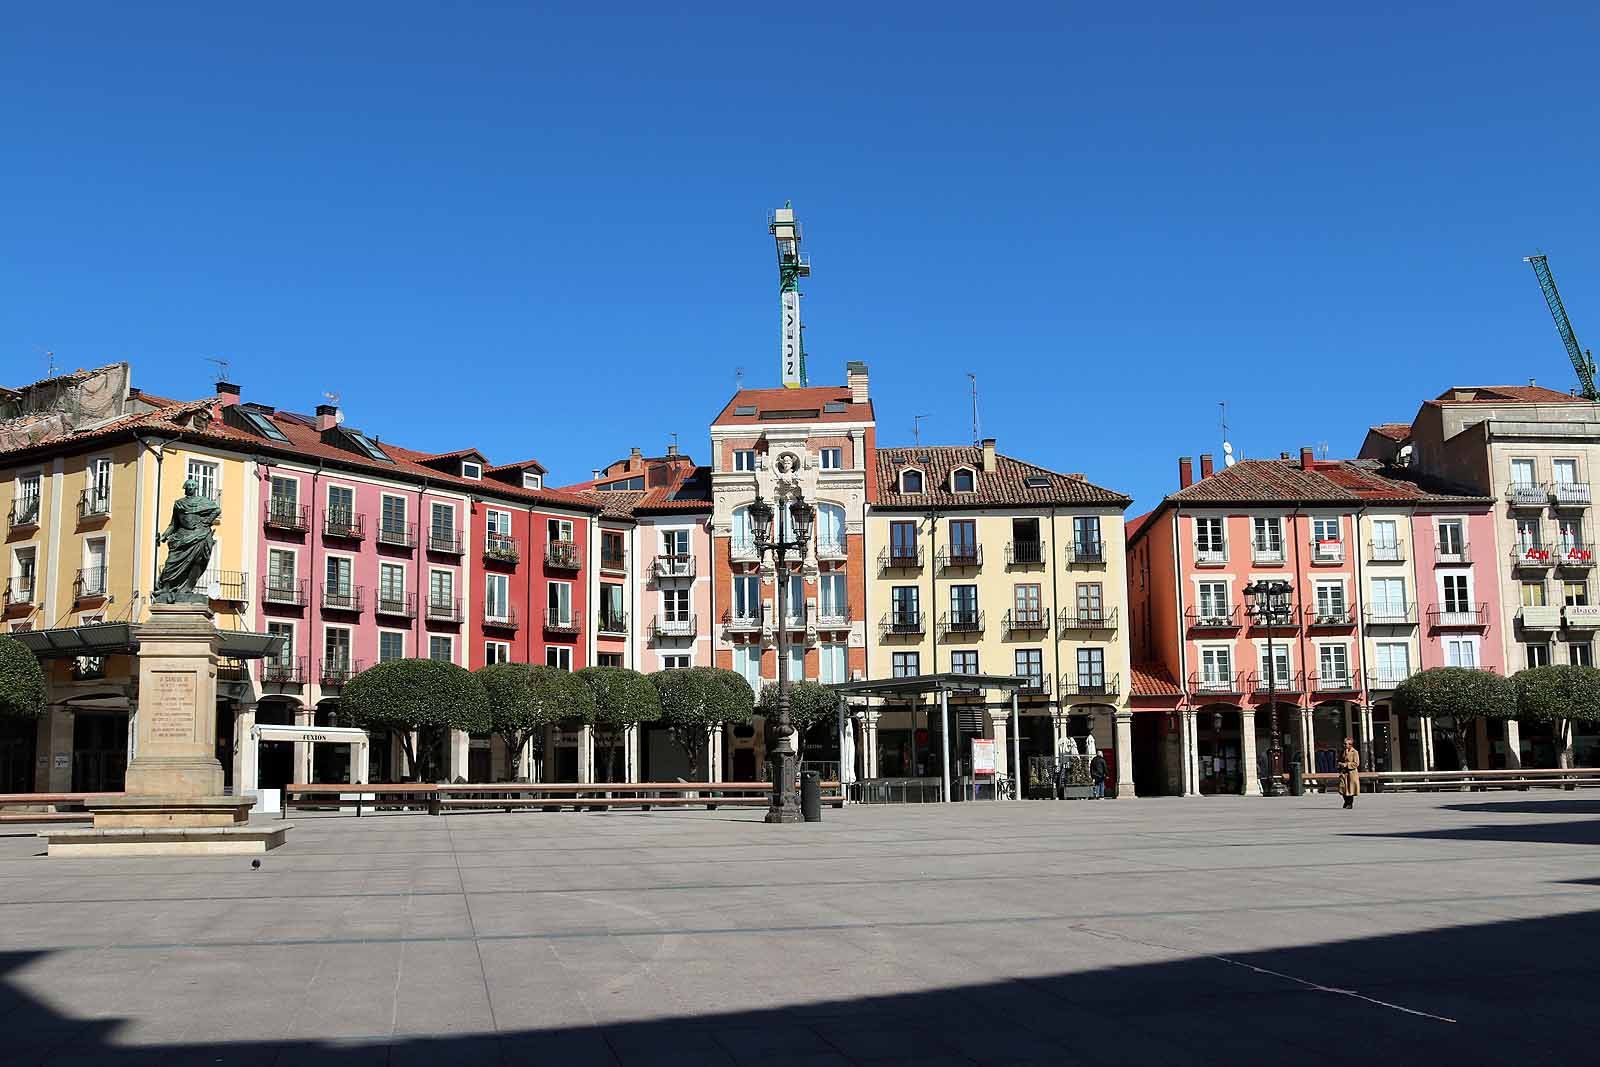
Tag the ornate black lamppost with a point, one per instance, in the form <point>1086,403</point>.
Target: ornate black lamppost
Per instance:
<point>785,778</point>
<point>1267,602</point>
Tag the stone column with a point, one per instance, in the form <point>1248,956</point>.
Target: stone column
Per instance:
<point>1514,745</point>
<point>57,734</point>
<point>246,752</point>
<point>457,754</point>
<point>999,721</point>
<point>305,718</point>
<point>586,753</point>
<point>713,752</point>
<point>1425,741</point>
<point>1250,777</point>
<point>1189,750</point>
<point>1369,735</point>
<point>1308,740</point>
<point>1124,753</point>
<point>869,743</point>
<point>630,752</point>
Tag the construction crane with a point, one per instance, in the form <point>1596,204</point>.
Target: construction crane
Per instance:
<point>1582,361</point>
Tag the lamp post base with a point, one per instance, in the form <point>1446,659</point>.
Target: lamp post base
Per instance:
<point>785,796</point>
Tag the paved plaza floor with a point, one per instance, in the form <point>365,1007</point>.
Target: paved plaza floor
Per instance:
<point>1455,928</point>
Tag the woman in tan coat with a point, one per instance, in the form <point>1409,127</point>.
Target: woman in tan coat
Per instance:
<point>1349,773</point>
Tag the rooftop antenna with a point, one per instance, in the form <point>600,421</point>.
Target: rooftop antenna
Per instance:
<point>50,362</point>
<point>674,441</point>
<point>333,398</point>
<point>1322,450</point>
<point>1228,458</point>
<point>222,368</point>
<point>738,378</point>
<point>977,435</point>
<point>916,429</point>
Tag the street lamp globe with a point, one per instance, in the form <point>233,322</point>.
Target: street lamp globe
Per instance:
<point>801,516</point>
<point>761,519</point>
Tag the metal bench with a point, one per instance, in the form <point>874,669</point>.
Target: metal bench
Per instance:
<point>437,798</point>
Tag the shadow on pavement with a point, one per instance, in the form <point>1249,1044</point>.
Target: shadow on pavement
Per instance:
<point>1574,832</point>
<point>1506,992</point>
<point>1531,807</point>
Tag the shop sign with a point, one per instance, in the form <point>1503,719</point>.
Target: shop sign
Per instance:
<point>1583,615</point>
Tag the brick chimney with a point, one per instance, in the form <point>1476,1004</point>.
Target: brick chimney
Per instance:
<point>988,455</point>
<point>227,394</point>
<point>1306,457</point>
<point>1185,472</point>
<point>635,459</point>
<point>327,417</point>
<point>855,376</point>
<point>1205,465</point>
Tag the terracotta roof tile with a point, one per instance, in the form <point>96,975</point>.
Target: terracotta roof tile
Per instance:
<point>1152,680</point>
<point>1007,484</point>
<point>1504,394</point>
<point>1344,481</point>
<point>1394,431</point>
<point>690,493</point>
<point>770,404</point>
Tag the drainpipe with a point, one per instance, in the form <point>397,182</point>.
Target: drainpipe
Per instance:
<point>528,570</point>
<point>1055,606</point>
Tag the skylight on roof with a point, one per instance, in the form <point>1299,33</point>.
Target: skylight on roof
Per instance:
<point>1037,481</point>
<point>263,425</point>
<point>367,445</point>
<point>790,413</point>
<point>835,407</point>
<point>745,409</point>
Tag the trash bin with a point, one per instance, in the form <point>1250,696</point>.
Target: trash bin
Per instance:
<point>811,796</point>
<point>1297,779</point>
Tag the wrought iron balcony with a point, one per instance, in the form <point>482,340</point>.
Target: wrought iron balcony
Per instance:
<point>284,591</point>
<point>561,556</point>
<point>747,621</point>
<point>900,558</point>
<point>674,565</point>
<point>1072,619</point>
<point>1385,681</point>
<point>396,604</point>
<point>445,541</point>
<point>961,557</point>
<point>671,629</point>
<point>24,514</point>
<point>1532,556</point>
<point>231,587</point>
<point>1326,551</point>
<point>1470,617</point>
<point>90,584</point>
<point>397,534</point>
<point>442,609</point>
<point>341,597</point>
<point>1570,494</point>
<point>1034,685</point>
<point>1279,683</point>
<point>501,548</point>
<point>1024,553</point>
<point>1385,553</point>
<point>901,624</point>
<point>1207,554</point>
<point>1574,555</point>
<point>93,504</point>
<point>287,516</point>
<point>503,619</point>
<point>1215,618</point>
<point>19,591</point>
<point>1328,616</point>
<point>1266,552</point>
<point>1288,620</point>
<point>1086,552</point>
<point>832,619</point>
<point>1090,685</point>
<point>1449,552</point>
<point>1540,617</point>
<point>1026,620</point>
<point>613,622</point>
<point>961,622</point>
<point>1333,681</point>
<point>743,550</point>
<point>232,671</point>
<point>344,524</point>
<point>336,672</point>
<point>1527,495</point>
<point>1216,682</point>
<point>289,671</point>
<point>1405,615</point>
<point>832,549</point>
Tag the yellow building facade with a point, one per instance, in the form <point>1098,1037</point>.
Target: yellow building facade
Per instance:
<point>981,564</point>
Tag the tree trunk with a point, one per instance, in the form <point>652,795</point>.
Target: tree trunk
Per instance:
<point>410,751</point>
<point>1564,743</point>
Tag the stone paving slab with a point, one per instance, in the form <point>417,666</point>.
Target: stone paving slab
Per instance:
<point>1211,930</point>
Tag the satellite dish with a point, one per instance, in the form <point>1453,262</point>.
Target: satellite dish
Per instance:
<point>1227,448</point>
<point>1228,459</point>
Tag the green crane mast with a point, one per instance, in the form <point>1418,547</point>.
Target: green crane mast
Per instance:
<point>1582,361</point>
<point>792,266</point>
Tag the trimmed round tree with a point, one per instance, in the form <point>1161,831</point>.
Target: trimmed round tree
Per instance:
<point>1559,695</point>
<point>1455,698</point>
<point>526,698</point>
<point>622,698</point>
<point>422,696</point>
<point>697,698</point>
<point>22,680</point>
<point>811,704</point>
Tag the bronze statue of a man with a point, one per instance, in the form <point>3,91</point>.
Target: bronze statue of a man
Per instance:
<point>189,540</point>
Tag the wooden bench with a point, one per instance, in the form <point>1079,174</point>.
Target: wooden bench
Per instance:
<point>550,796</point>
<point>52,801</point>
<point>1430,781</point>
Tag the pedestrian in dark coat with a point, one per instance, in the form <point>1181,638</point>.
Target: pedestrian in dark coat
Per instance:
<point>1349,773</point>
<point>1098,771</point>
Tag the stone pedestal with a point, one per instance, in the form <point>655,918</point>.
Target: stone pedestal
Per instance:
<point>174,802</point>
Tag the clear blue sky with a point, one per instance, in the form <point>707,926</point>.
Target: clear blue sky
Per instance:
<point>544,232</point>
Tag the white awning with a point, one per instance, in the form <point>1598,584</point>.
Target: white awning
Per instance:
<point>334,735</point>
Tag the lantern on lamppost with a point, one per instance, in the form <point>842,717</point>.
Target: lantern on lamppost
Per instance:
<point>1268,602</point>
<point>793,535</point>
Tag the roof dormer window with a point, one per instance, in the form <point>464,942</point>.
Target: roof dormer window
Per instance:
<point>531,480</point>
<point>471,469</point>
<point>911,481</point>
<point>963,480</point>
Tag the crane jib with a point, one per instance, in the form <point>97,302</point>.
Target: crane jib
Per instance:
<point>1552,298</point>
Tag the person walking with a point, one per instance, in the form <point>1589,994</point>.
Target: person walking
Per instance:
<point>1349,773</point>
<point>1097,771</point>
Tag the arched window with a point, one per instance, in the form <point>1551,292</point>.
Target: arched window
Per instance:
<point>744,532</point>
<point>962,480</point>
<point>911,481</point>
<point>830,531</point>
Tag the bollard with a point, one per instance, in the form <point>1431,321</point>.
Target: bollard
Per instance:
<point>811,796</point>
<point>1297,779</point>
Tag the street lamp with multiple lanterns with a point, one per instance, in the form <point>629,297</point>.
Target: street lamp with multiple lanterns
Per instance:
<point>1268,603</point>
<point>785,805</point>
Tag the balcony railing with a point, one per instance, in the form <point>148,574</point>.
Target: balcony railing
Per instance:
<point>743,550</point>
<point>24,514</point>
<point>1216,682</point>
<point>1034,685</point>
<point>961,556</point>
<point>1333,681</point>
<point>232,587</point>
<point>1086,552</point>
<point>504,618</point>
<point>1210,555</point>
<point>1540,617</point>
<point>19,591</point>
<point>1289,620</point>
<point>231,670</point>
<point>1024,620</point>
<point>1328,616</point>
<point>900,558</point>
<point>1024,553</point>
<point>336,672</point>
<point>1385,553</point>
<point>961,622</point>
<point>1404,615</point>
<point>93,504</point>
<point>287,516</point>
<point>1072,619</point>
<point>1327,551</point>
<point>444,541</point>
<point>1266,552</point>
<point>833,618</point>
<point>612,564</point>
<point>832,549</point>
<point>1527,495</point>
<point>901,623</point>
<point>747,621</point>
<point>1078,685</point>
<point>341,597</point>
<point>290,671</point>
<point>345,525</point>
<point>1450,552</point>
<point>501,548</point>
<point>284,591</point>
<point>671,629</point>
<point>90,583</point>
<point>397,604</point>
<point>1461,618</point>
<point>1212,618</point>
<point>1384,681</point>
<point>612,622</point>
<point>1570,494</point>
<point>1532,556</point>
<point>561,556</point>
<point>1574,555</point>
<point>397,534</point>
<point>676,565</point>
<point>1280,683</point>
<point>442,609</point>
